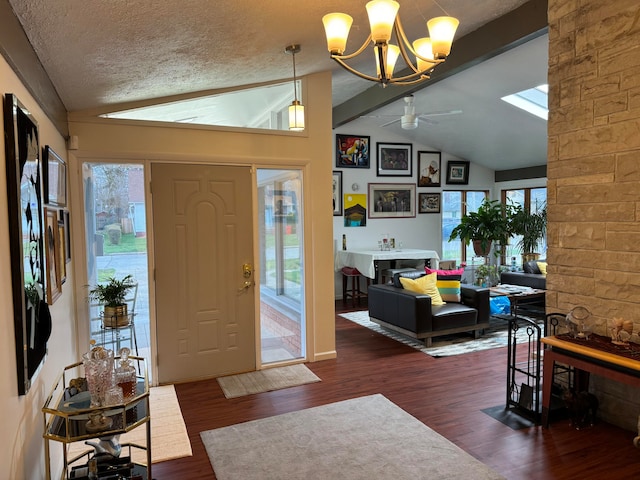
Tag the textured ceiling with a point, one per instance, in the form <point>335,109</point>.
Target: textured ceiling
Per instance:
<point>106,55</point>
<point>108,52</point>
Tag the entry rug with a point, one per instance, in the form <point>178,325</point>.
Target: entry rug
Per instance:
<point>169,438</point>
<point>496,336</point>
<point>362,438</point>
<point>266,380</point>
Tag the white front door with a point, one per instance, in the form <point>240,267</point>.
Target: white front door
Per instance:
<point>203,238</point>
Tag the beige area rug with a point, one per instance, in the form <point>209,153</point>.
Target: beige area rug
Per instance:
<point>266,380</point>
<point>362,438</point>
<point>169,438</point>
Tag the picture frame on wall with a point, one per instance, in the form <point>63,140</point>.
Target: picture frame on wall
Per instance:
<point>429,203</point>
<point>26,239</point>
<point>337,194</point>
<point>54,175</point>
<point>429,169</point>
<point>353,151</point>
<point>51,242</point>
<point>61,251</point>
<point>394,160</point>
<point>457,172</point>
<point>392,200</point>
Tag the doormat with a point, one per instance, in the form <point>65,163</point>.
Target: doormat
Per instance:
<point>266,380</point>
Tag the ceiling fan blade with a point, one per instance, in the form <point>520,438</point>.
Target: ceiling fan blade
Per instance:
<point>389,123</point>
<point>436,114</point>
<point>376,116</point>
<point>428,121</point>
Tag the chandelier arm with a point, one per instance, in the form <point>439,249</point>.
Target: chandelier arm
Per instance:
<point>401,35</point>
<point>354,71</point>
<point>354,54</point>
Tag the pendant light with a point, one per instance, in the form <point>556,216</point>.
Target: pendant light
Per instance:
<point>296,109</point>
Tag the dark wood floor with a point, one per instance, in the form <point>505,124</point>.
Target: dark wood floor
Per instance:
<point>447,394</point>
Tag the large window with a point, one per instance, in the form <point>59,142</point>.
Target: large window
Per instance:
<point>532,200</point>
<point>455,204</point>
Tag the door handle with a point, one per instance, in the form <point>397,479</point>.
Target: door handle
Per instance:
<point>245,286</point>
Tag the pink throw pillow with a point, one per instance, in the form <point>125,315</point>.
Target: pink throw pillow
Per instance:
<point>459,271</point>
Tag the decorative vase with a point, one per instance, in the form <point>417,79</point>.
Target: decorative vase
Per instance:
<point>477,248</point>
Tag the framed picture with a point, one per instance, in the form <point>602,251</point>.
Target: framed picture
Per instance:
<point>337,194</point>
<point>26,242</point>
<point>392,200</point>
<point>54,283</point>
<point>67,239</point>
<point>394,160</point>
<point>61,252</point>
<point>457,172</point>
<point>428,169</point>
<point>355,210</point>
<point>352,151</point>
<point>429,203</point>
<point>54,174</point>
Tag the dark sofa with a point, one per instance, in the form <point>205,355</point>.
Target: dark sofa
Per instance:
<point>412,314</point>
<point>531,276</point>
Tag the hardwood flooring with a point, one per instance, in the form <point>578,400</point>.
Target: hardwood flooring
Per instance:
<point>447,394</point>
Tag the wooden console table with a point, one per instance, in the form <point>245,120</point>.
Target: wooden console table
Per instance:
<point>587,357</point>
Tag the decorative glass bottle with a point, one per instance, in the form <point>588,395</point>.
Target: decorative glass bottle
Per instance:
<point>126,375</point>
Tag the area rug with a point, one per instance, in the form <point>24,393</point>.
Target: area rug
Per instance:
<point>266,380</point>
<point>361,438</point>
<point>169,438</point>
<point>495,336</point>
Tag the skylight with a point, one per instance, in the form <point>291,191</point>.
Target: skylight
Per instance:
<point>533,100</point>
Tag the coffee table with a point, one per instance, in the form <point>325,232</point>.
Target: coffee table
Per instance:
<point>516,299</point>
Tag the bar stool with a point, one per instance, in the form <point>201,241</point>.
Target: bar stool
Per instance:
<point>387,275</point>
<point>354,291</point>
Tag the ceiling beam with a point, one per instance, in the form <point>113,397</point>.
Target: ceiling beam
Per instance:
<point>504,33</point>
<point>19,54</point>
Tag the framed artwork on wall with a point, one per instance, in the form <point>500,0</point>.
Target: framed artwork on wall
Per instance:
<point>429,203</point>
<point>355,210</point>
<point>26,240</point>
<point>428,169</point>
<point>392,200</point>
<point>54,178</point>
<point>337,194</point>
<point>457,172</point>
<point>61,251</point>
<point>352,151</point>
<point>54,281</point>
<point>394,160</point>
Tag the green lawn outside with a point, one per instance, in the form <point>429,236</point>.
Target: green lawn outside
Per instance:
<point>129,243</point>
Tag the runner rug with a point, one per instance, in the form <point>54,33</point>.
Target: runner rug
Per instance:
<point>266,380</point>
<point>362,438</point>
<point>169,438</point>
<point>495,336</point>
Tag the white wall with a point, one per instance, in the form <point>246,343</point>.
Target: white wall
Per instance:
<point>21,443</point>
<point>425,230</point>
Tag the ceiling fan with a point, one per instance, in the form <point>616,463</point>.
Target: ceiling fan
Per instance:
<point>409,121</point>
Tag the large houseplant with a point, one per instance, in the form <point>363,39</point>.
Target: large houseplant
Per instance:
<point>491,222</point>
<point>111,295</point>
<point>532,226</point>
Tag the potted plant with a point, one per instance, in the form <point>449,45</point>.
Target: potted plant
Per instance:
<point>488,275</point>
<point>491,222</point>
<point>533,228</point>
<point>112,296</point>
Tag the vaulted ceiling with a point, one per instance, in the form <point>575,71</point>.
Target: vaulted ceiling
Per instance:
<point>104,56</point>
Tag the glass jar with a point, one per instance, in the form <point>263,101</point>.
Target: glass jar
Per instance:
<point>98,369</point>
<point>126,375</point>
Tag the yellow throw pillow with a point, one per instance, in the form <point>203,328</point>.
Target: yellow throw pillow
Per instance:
<point>425,284</point>
<point>542,266</point>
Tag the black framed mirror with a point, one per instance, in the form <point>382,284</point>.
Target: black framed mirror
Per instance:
<point>32,322</point>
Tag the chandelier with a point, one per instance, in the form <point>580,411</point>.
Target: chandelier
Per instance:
<point>384,21</point>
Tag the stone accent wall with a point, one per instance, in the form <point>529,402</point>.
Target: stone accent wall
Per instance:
<point>594,172</point>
